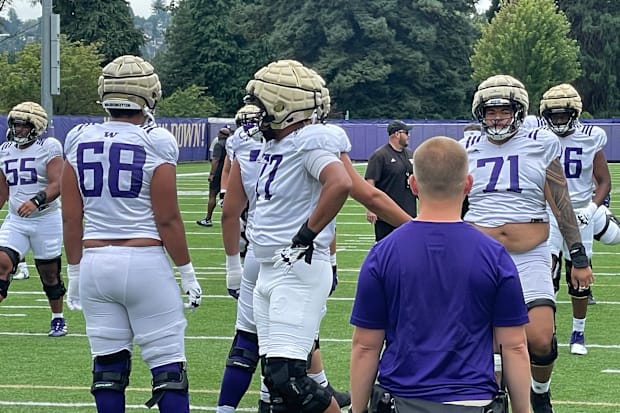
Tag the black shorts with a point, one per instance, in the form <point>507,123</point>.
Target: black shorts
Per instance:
<point>214,184</point>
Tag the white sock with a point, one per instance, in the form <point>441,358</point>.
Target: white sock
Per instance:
<point>320,378</point>
<point>224,409</point>
<point>579,324</point>
<point>57,315</point>
<point>541,388</point>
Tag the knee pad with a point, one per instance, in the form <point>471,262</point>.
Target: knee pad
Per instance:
<point>290,388</point>
<point>571,290</point>
<point>547,359</point>
<point>168,381</point>
<point>244,352</point>
<point>13,256</point>
<point>53,292</point>
<point>111,372</point>
<point>556,271</point>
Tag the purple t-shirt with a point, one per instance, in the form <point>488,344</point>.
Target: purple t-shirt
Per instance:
<point>438,289</point>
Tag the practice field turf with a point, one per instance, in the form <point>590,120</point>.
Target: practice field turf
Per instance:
<point>43,374</point>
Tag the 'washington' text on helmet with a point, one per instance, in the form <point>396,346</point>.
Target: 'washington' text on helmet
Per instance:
<point>287,91</point>
<point>501,90</point>
<point>129,82</point>
<point>27,113</point>
<point>561,99</point>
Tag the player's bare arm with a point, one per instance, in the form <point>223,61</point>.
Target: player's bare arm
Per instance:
<point>556,193</point>
<point>52,191</point>
<point>167,215</point>
<point>72,214</point>
<point>602,178</point>
<point>372,198</point>
<point>336,185</point>
<point>232,209</point>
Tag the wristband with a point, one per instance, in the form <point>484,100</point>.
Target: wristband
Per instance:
<point>186,269</point>
<point>233,261</point>
<point>39,198</point>
<point>304,236</point>
<point>73,270</point>
<point>578,256</point>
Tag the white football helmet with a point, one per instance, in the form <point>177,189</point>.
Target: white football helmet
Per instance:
<point>28,113</point>
<point>248,117</point>
<point>501,90</point>
<point>286,91</point>
<point>129,82</point>
<point>561,99</point>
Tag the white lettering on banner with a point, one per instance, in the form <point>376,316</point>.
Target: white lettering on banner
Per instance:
<point>188,134</point>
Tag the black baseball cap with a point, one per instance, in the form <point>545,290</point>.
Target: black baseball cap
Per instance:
<point>397,125</point>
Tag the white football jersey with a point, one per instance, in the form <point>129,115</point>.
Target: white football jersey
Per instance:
<point>246,151</point>
<point>114,163</point>
<point>578,151</point>
<point>25,171</point>
<point>533,122</point>
<point>509,178</point>
<point>288,188</point>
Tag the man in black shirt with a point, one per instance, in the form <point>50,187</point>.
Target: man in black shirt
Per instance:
<point>215,176</point>
<point>389,169</point>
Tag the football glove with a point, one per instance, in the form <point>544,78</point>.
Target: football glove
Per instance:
<point>190,286</point>
<point>73,292</point>
<point>302,246</point>
<point>234,272</point>
<point>584,215</point>
<point>221,196</point>
<point>334,279</point>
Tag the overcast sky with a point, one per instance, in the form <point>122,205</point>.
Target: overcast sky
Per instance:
<point>140,7</point>
<point>25,11</point>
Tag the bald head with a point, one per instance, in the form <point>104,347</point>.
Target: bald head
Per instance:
<point>440,168</point>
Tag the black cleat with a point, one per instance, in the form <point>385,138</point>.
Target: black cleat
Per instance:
<point>541,403</point>
<point>343,398</point>
<point>591,300</point>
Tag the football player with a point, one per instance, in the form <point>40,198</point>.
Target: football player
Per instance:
<point>245,150</point>
<point>516,172</point>
<point>121,216</point>
<point>585,168</point>
<point>30,169</point>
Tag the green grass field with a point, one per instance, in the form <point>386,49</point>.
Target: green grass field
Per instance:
<point>43,374</point>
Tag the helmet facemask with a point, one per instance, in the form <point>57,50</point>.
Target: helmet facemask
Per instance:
<point>564,100</point>
<point>561,128</point>
<point>499,130</point>
<point>501,90</point>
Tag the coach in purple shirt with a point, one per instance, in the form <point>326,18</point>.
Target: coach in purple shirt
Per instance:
<point>435,292</point>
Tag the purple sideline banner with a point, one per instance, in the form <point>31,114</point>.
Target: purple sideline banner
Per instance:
<point>194,135</point>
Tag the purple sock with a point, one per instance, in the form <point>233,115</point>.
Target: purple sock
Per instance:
<point>111,401</point>
<point>236,379</point>
<point>174,401</point>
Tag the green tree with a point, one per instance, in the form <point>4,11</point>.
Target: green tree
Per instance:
<point>595,25</point>
<point>79,72</point>
<point>107,23</point>
<point>190,102</point>
<point>380,58</point>
<point>202,49</point>
<point>528,39</point>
